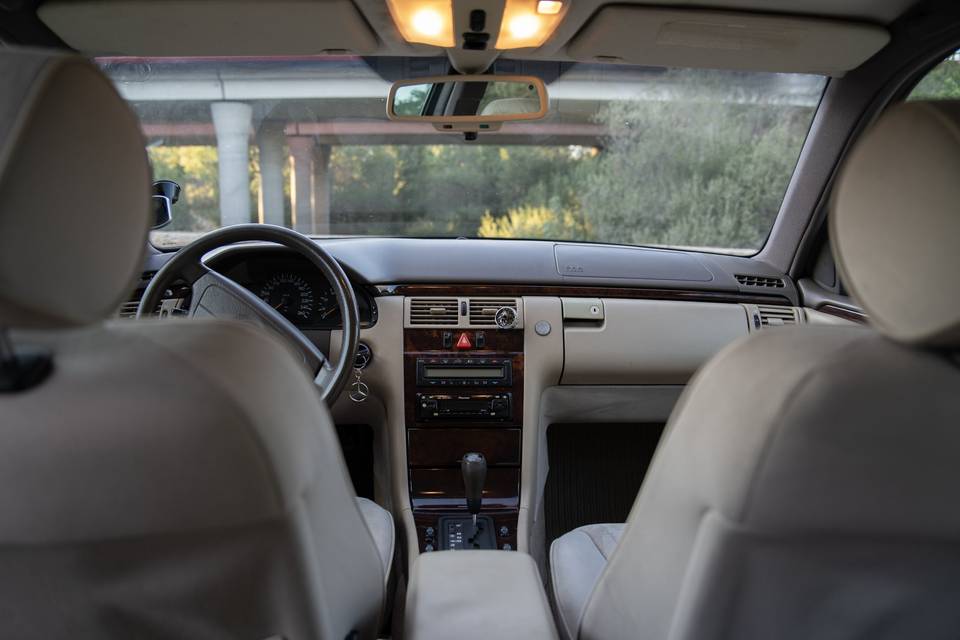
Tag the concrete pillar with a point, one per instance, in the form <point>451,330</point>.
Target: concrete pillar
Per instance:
<point>301,182</point>
<point>231,120</point>
<point>322,188</point>
<point>270,140</point>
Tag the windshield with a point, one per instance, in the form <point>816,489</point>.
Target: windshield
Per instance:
<point>627,155</point>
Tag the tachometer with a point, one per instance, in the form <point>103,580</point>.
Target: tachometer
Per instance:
<point>291,295</point>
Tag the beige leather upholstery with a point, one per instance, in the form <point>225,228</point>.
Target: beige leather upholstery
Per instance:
<point>577,559</point>
<point>805,484</point>
<point>476,595</point>
<point>896,224</point>
<point>380,524</point>
<point>176,479</point>
<point>74,192</point>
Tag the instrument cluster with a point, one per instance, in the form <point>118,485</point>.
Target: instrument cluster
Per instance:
<point>294,287</point>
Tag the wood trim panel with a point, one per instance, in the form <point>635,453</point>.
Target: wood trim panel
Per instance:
<point>444,447</point>
<point>434,448</point>
<point>640,293</point>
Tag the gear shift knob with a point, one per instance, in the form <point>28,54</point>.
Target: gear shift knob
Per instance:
<point>474,469</point>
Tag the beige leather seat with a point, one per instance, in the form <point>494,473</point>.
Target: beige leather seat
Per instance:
<point>166,480</point>
<point>806,485</point>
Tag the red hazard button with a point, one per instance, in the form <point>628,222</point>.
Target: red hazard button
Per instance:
<point>463,342</point>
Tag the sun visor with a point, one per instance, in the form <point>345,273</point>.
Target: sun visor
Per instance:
<point>726,40</point>
<point>210,28</point>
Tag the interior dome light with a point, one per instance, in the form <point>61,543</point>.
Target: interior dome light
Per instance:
<point>424,21</point>
<point>428,22</point>
<point>528,23</point>
<point>524,26</point>
<point>549,7</point>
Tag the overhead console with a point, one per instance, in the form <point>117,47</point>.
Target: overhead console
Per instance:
<point>463,394</point>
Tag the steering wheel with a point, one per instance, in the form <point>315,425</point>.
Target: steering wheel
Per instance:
<point>214,295</point>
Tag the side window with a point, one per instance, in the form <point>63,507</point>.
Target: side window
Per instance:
<point>941,83</point>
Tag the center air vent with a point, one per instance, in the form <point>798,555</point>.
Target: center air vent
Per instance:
<point>431,312</point>
<point>771,316</point>
<point>483,311</point>
<point>459,312</point>
<point>759,281</point>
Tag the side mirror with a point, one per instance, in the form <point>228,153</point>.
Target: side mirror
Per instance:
<point>165,194</point>
<point>468,103</point>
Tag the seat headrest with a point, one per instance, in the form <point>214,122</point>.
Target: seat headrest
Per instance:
<point>895,223</point>
<point>74,192</point>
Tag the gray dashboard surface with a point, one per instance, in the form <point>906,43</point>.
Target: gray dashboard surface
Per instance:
<point>376,260</point>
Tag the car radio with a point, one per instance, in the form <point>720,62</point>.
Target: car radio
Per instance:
<point>464,372</point>
<point>494,407</point>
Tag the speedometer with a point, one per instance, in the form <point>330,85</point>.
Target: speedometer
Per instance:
<point>291,295</point>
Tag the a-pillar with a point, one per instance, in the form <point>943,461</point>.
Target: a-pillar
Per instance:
<point>231,120</point>
<point>322,186</point>
<point>301,182</point>
<point>270,140</point>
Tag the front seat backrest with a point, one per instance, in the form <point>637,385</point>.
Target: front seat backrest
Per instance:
<point>806,485</point>
<point>176,479</point>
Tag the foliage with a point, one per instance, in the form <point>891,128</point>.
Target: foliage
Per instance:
<point>194,168</point>
<point>942,83</point>
<point>698,172</point>
<point>534,222</point>
<point>444,190</point>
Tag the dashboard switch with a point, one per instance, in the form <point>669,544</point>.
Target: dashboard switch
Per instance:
<point>447,339</point>
<point>463,342</point>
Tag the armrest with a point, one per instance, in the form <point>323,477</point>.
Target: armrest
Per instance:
<point>477,595</point>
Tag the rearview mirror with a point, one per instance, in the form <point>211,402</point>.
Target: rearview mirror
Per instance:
<point>468,103</point>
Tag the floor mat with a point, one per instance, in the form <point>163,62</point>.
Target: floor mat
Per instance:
<point>595,472</point>
<point>356,440</point>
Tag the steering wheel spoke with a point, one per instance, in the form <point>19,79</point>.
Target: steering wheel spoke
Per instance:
<point>216,296</point>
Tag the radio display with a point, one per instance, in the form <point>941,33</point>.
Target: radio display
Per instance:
<point>472,372</point>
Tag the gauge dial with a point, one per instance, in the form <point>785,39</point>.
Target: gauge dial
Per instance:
<point>328,309</point>
<point>291,295</point>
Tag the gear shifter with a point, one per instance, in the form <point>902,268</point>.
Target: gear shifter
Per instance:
<point>474,469</point>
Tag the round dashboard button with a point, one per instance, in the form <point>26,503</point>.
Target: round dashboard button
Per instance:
<point>542,328</point>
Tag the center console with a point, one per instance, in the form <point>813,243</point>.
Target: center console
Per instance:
<point>463,388</point>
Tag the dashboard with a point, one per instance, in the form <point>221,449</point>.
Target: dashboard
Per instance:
<point>293,286</point>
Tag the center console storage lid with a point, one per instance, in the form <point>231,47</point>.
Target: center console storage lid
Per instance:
<point>480,594</point>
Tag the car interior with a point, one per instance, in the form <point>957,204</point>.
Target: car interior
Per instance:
<point>348,319</point>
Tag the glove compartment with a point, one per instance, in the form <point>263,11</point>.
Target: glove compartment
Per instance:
<point>644,341</point>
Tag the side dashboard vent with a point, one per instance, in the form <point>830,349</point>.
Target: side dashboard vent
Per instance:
<point>771,316</point>
<point>434,311</point>
<point>128,309</point>
<point>483,311</point>
<point>760,281</point>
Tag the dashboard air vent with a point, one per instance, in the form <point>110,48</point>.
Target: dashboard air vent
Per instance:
<point>483,311</point>
<point>759,281</point>
<point>434,311</point>
<point>771,316</point>
<point>128,309</point>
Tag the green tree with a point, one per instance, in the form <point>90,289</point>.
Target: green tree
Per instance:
<point>942,83</point>
<point>707,170</point>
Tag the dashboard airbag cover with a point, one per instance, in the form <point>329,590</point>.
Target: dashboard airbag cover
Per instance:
<point>579,261</point>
